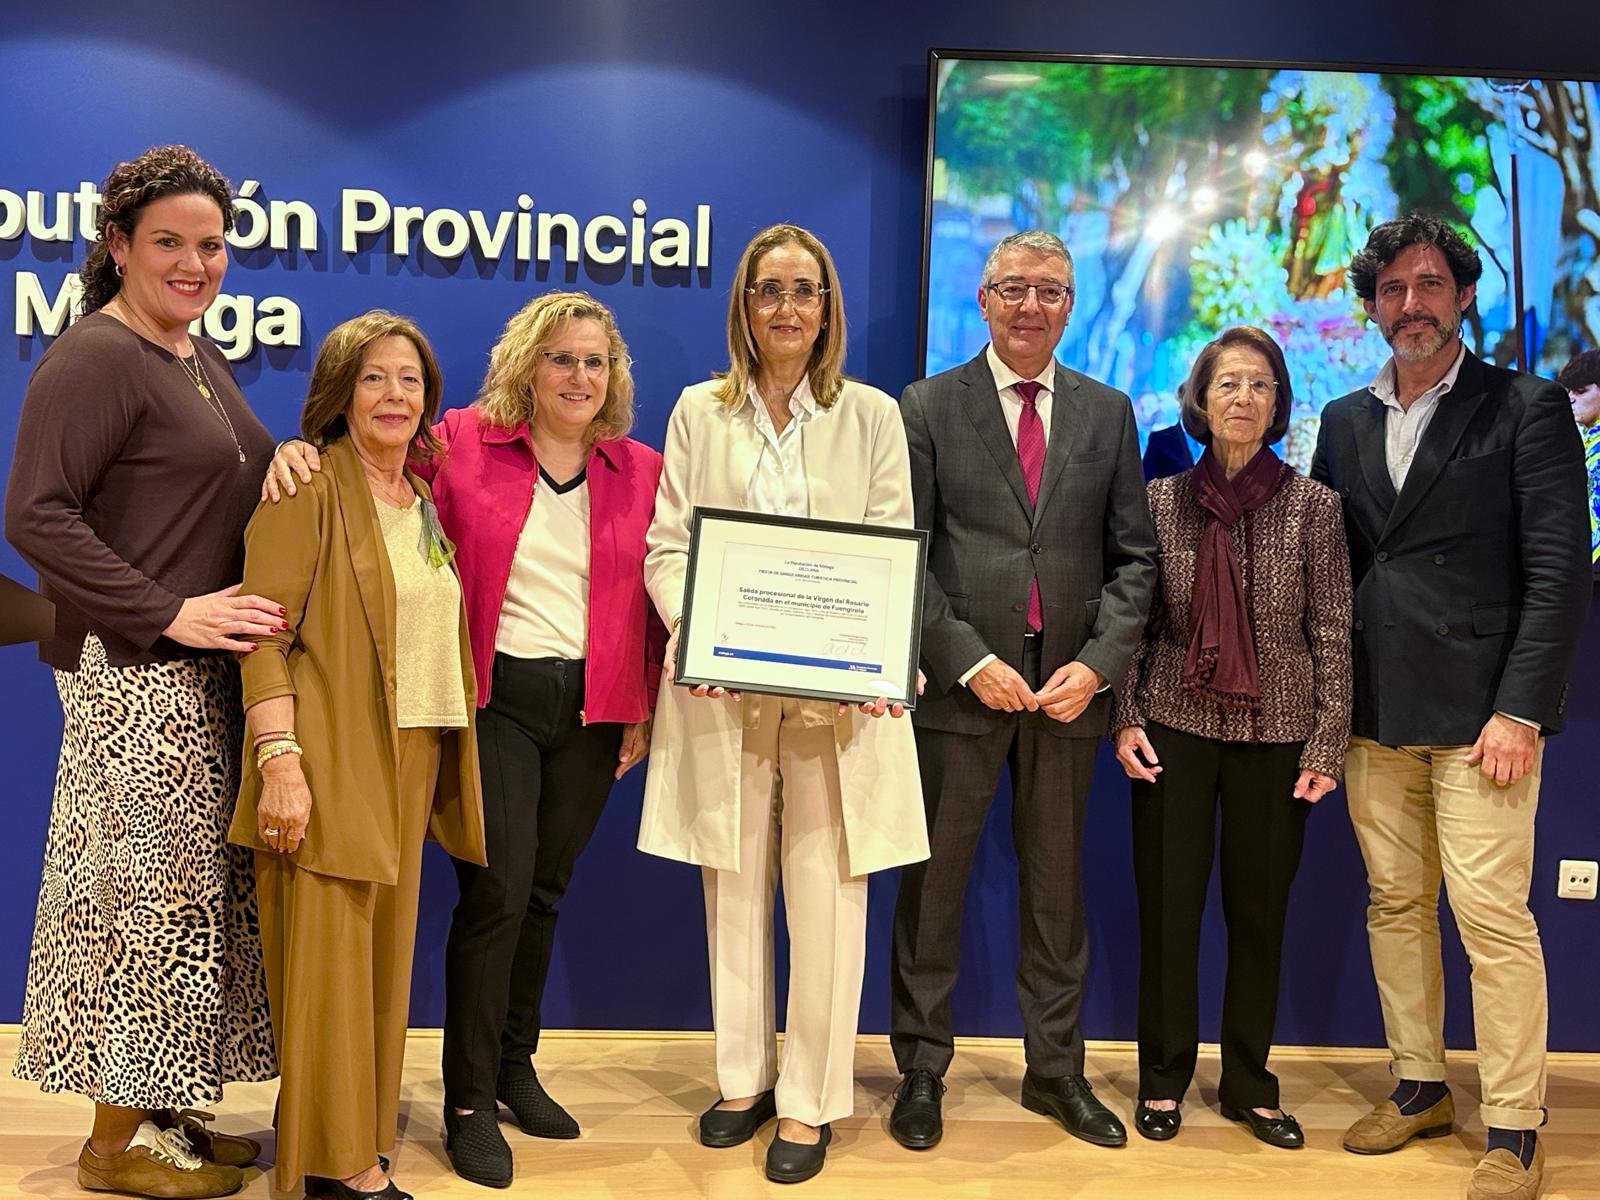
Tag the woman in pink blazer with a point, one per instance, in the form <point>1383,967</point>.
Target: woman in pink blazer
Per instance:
<point>547,501</point>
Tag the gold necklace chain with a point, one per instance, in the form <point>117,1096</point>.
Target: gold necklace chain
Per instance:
<point>194,370</point>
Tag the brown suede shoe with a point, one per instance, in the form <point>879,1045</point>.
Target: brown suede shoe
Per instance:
<point>1384,1128</point>
<point>157,1163</point>
<point>224,1149</point>
<point>1500,1175</point>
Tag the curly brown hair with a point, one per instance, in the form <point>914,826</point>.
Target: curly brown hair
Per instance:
<point>159,172</point>
<point>507,397</point>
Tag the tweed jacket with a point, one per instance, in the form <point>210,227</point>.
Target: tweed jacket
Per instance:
<point>1297,586</point>
<point>320,554</point>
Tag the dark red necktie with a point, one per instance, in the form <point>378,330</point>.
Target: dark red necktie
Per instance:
<point>1030,454</point>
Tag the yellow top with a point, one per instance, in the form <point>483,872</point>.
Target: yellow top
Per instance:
<point>428,688</point>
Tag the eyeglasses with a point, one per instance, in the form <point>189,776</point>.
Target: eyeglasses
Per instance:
<point>805,296</point>
<point>1228,387</point>
<point>593,364</point>
<point>1014,291</point>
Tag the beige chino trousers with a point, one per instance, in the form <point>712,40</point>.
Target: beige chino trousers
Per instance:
<point>791,815</point>
<point>1422,815</point>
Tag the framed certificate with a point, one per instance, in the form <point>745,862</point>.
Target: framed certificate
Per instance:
<point>796,607</point>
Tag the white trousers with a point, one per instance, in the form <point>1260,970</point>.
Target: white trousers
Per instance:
<point>790,814</point>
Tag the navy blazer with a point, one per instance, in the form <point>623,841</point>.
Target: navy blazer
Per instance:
<point>1471,583</point>
<point>1167,453</point>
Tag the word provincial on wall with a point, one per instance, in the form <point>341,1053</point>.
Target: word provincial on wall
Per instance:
<point>289,235</point>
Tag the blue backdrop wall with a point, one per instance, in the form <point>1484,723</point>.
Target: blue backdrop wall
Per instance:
<point>814,116</point>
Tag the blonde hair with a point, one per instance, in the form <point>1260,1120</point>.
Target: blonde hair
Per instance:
<point>507,398</point>
<point>826,369</point>
<point>333,380</point>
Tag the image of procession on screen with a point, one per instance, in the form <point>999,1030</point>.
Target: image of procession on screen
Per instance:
<point>1197,196</point>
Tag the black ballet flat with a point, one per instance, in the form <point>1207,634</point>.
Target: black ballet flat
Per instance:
<point>1159,1125</point>
<point>721,1128</point>
<point>1283,1132</point>
<point>317,1185</point>
<point>796,1162</point>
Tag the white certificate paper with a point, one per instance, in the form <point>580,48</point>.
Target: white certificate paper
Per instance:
<point>805,610</point>
<point>792,606</point>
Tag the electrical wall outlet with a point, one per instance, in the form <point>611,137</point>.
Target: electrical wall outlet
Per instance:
<point>1577,880</point>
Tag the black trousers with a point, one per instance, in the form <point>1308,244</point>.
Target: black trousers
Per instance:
<point>1174,833</point>
<point>545,778</point>
<point>1049,789</point>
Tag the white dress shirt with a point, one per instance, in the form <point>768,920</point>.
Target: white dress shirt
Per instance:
<point>1403,427</point>
<point>778,485</point>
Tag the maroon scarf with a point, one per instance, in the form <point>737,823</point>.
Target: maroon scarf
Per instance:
<point>1222,647</point>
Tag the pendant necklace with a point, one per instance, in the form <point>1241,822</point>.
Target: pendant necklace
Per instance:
<point>194,370</point>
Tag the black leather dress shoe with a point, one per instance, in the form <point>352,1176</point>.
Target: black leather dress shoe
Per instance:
<point>1283,1132</point>
<point>536,1113</point>
<point>721,1127</point>
<point>1157,1124</point>
<point>795,1162</point>
<point>477,1149</point>
<point>1071,1101</point>
<point>916,1122</point>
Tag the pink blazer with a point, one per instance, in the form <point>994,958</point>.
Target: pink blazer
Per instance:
<point>484,487</point>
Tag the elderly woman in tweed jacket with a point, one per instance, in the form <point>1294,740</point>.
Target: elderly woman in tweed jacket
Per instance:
<point>1237,701</point>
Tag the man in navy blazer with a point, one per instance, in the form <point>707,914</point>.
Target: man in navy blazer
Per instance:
<point>1041,565</point>
<point>1464,499</point>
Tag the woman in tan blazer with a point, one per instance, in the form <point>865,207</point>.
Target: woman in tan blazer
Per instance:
<point>781,432</point>
<point>361,712</point>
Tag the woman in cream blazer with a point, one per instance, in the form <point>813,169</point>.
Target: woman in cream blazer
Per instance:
<point>724,769</point>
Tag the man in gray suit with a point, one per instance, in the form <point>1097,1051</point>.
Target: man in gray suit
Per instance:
<point>1041,565</point>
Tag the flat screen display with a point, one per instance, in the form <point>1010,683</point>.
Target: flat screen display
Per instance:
<point>1198,195</point>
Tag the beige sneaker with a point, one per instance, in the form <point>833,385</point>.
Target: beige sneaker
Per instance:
<point>225,1149</point>
<point>1500,1175</point>
<point>160,1163</point>
<point>1385,1128</point>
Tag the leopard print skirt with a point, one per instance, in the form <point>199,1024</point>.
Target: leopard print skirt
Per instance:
<point>145,985</point>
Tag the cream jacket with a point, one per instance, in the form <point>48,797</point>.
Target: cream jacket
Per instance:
<point>857,470</point>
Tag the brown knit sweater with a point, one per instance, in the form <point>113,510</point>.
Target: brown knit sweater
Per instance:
<point>1297,585</point>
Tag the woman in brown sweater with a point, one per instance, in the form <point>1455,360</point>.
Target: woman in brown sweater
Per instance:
<point>137,466</point>
<point>1237,699</point>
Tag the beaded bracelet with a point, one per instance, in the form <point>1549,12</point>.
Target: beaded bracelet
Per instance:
<point>273,750</point>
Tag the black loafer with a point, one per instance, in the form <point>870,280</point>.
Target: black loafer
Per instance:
<point>1071,1101</point>
<point>795,1162</point>
<point>536,1113</point>
<point>1283,1132</point>
<point>477,1149</point>
<point>721,1128</point>
<point>1157,1124</point>
<point>916,1122</point>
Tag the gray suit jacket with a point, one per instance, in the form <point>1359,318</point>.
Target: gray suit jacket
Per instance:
<point>1090,540</point>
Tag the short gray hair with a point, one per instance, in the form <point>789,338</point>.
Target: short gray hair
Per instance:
<point>1040,240</point>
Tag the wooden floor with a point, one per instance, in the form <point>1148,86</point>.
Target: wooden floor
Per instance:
<point>637,1097</point>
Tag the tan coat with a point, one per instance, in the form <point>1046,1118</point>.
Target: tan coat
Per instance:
<point>857,470</point>
<point>320,554</point>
